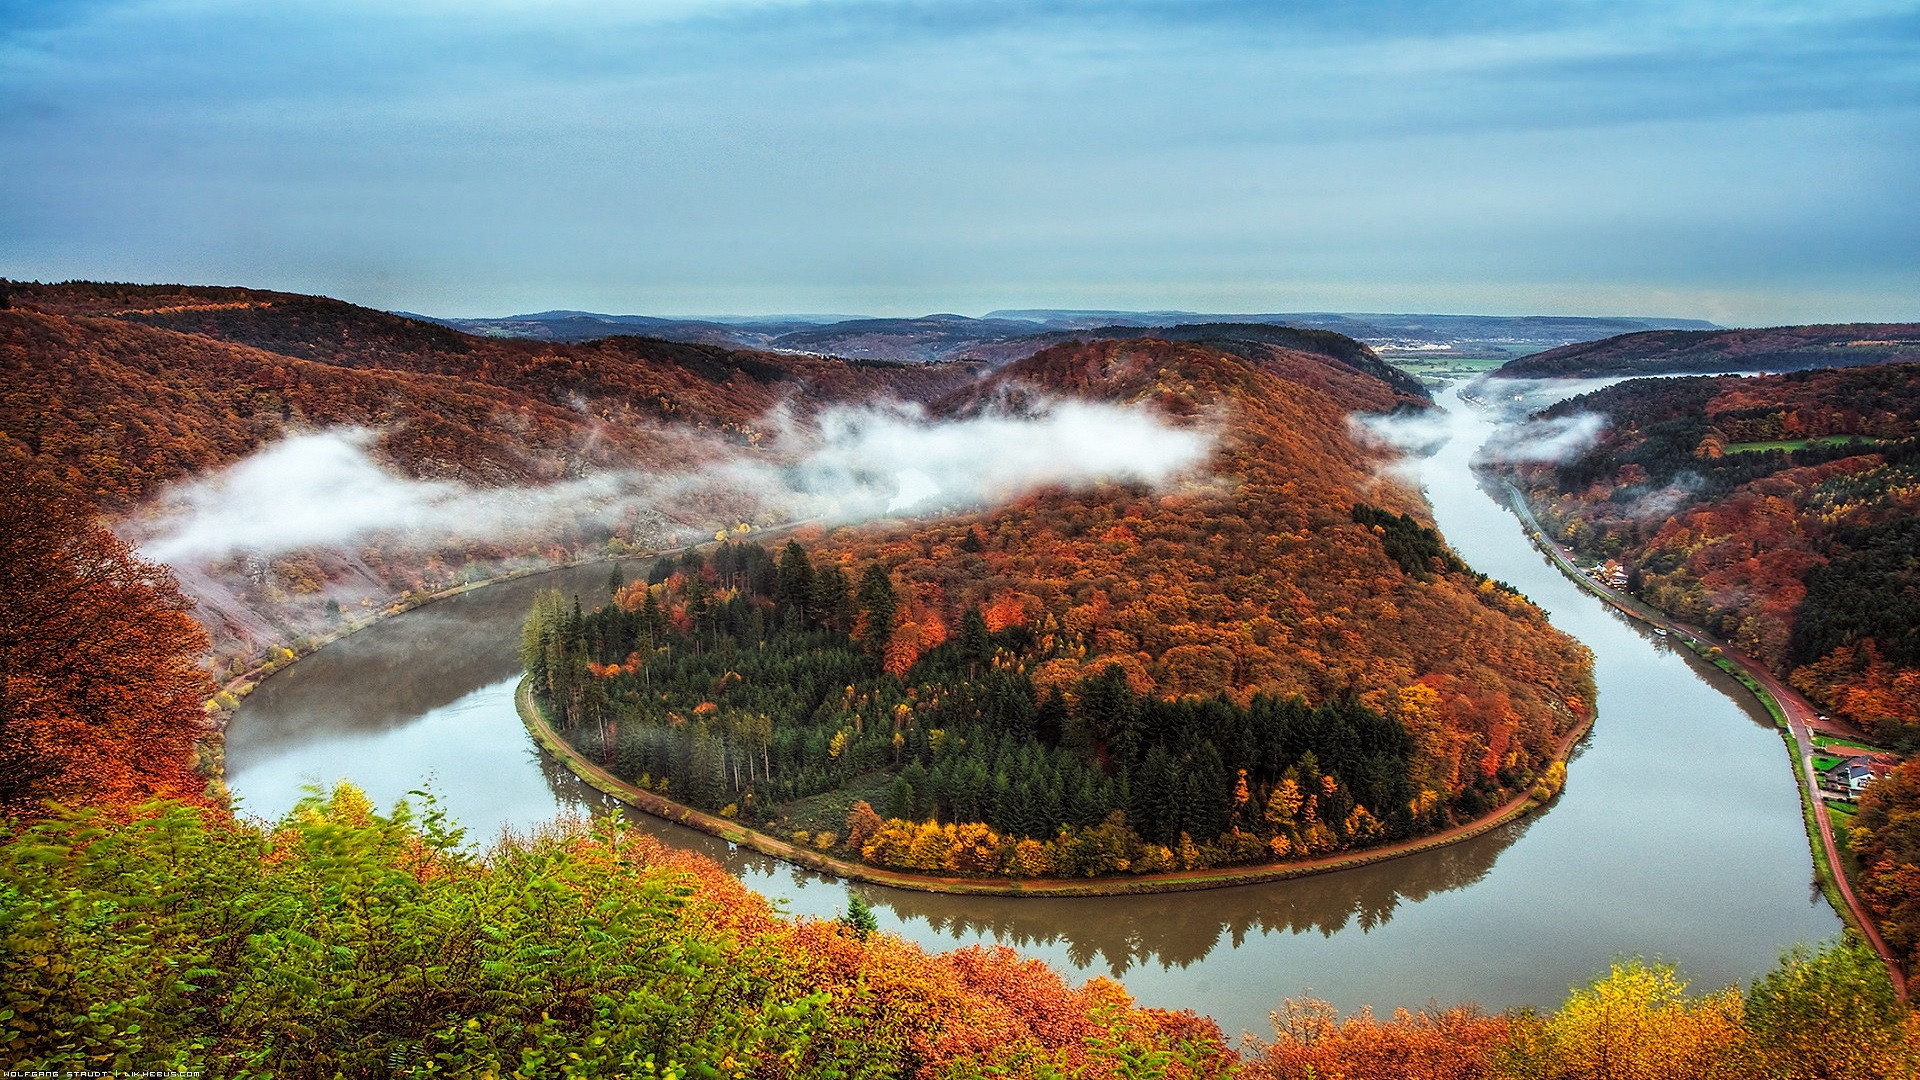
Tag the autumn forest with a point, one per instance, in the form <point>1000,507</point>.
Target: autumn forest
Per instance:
<point>1084,683</point>
<point>1269,655</point>
<point>1779,513</point>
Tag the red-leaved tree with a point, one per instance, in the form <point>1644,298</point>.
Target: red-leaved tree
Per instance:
<point>101,691</point>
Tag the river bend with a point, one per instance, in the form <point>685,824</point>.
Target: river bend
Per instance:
<point>1679,834</point>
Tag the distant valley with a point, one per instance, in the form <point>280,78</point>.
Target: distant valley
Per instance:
<point>1014,334</point>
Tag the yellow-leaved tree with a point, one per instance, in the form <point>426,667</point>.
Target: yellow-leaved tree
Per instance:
<point>1635,1023</point>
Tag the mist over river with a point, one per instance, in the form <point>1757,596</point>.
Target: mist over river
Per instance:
<point>1679,833</point>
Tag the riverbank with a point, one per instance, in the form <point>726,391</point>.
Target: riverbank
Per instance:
<point>239,686</point>
<point>1793,716</point>
<point>220,708</point>
<point>1186,881</point>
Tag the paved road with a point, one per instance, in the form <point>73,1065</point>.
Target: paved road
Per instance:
<point>1802,719</point>
<point>1801,722</point>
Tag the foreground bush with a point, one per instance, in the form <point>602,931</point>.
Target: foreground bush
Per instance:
<point>1820,1014</point>
<point>345,942</point>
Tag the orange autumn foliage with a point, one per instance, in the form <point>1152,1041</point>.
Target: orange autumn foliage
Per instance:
<point>910,641</point>
<point>982,1006</point>
<point>1005,610</point>
<point>1743,508</point>
<point>102,695</point>
<point>1249,577</point>
<point>1859,682</point>
<point>1312,1042</point>
<point>1886,841</point>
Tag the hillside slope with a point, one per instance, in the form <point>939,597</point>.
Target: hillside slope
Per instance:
<point>1260,577</point>
<point>1781,513</point>
<point>628,378</point>
<point>1260,661</point>
<point>1778,512</point>
<point>124,390</point>
<point>1675,352</point>
<point>1244,338</point>
<point>1013,334</point>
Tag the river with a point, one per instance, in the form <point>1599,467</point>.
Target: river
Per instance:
<point>1679,834</point>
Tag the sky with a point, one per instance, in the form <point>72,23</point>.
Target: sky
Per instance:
<point>1752,162</point>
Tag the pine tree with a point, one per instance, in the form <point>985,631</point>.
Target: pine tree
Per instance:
<point>832,604</point>
<point>914,776</point>
<point>537,637</point>
<point>975,643</point>
<point>1211,792</point>
<point>878,604</point>
<point>1050,721</point>
<point>859,917</point>
<point>793,587</point>
<point>653,621</point>
<point>900,799</point>
<point>1153,809</point>
<point>1108,708</point>
<point>1049,807</point>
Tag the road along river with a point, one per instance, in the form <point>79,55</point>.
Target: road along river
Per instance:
<point>1679,835</point>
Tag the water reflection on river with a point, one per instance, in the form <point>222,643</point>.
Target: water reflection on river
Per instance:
<point>1679,834</point>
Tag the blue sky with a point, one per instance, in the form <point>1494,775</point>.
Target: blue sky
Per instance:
<point>1751,162</point>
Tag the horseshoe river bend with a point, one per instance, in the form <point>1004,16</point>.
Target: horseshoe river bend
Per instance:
<point>1678,836</point>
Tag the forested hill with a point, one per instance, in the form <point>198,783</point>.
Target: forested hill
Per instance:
<point>1672,352</point>
<point>1294,568</point>
<point>1251,340</point>
<point>1779,512</point>
<point>1782,513</point>
<point>121,409</point>
<point>121,390</point>
<point>127,386</point>
<point>1004,336</point>
<point>1266,661</point>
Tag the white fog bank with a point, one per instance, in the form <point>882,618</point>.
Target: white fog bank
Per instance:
<point>328,489</point>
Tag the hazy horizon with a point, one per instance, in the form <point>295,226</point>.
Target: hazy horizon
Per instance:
<point>1003,313</point>
<point>1746,163</point>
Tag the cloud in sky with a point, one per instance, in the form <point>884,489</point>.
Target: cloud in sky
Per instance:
<point>1748,162</point>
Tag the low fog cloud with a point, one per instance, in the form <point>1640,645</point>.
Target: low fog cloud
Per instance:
<point>1548,438</point>
<point>325,489</point>
<point>1525,436</point>
<point>1659,504</point>
<point>1419,433</point>
<point>1411,434</point>
<point>996,455</point>
<point>328,490</point>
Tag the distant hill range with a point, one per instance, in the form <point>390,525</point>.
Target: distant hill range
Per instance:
<point>1673,352</point>
<point>1005,336</point>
